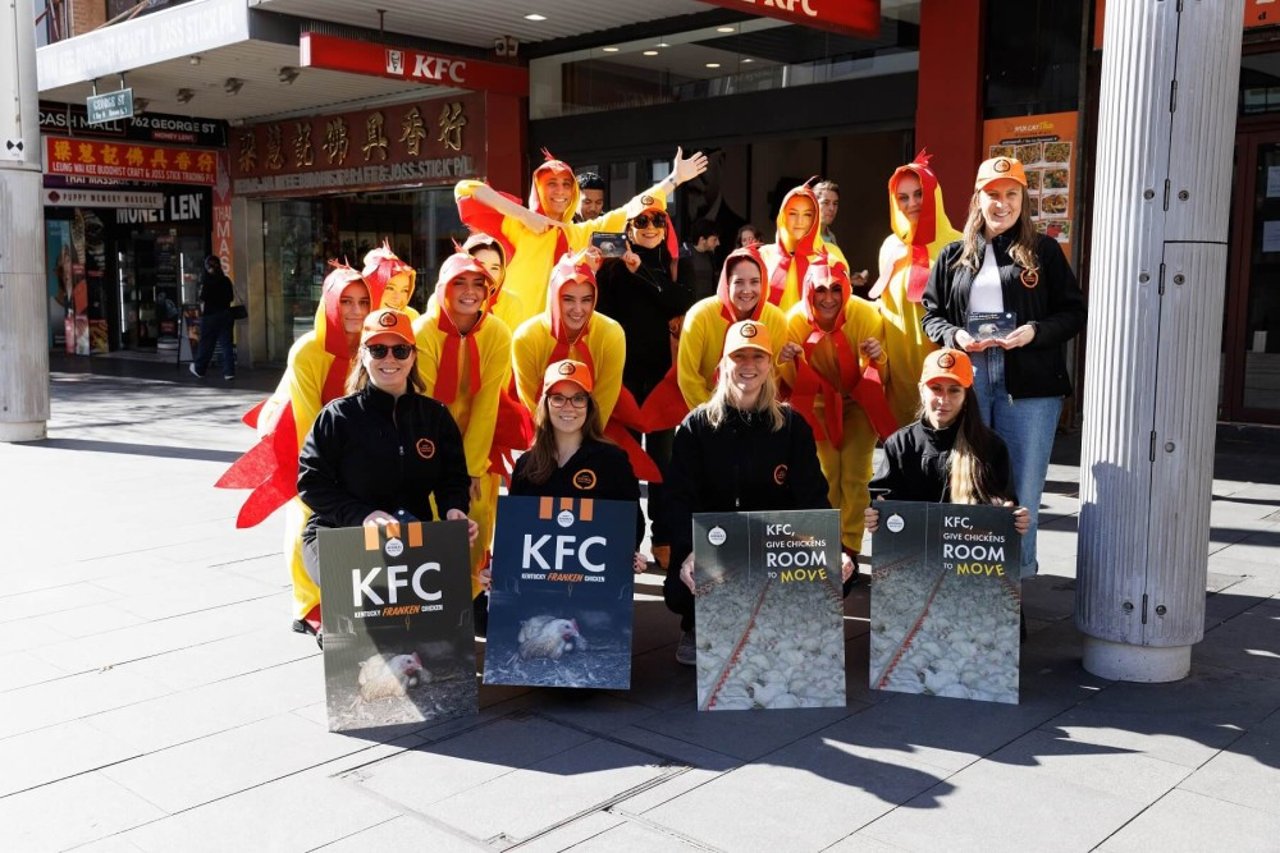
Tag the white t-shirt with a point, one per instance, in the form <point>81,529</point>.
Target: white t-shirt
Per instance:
<point>985,295</point>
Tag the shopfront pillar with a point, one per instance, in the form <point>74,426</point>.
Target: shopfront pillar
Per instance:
<point>24,323</point>
<point>1158,262</point>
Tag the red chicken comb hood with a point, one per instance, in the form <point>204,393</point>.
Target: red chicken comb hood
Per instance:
<point>933,222</point>
<point>381,265</point>
<point>749,253</point>
<point>570,269</point>
<point>800,245</point>
<point>551,166</point>
<point>455,265</point>
<point>329,329</point>
<point>479,240</point>
<point>824,271</point>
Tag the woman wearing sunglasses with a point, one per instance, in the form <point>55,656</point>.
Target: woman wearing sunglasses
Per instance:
<point>384,451</point>
<point>570,457</point>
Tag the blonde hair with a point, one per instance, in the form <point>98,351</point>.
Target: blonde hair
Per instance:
<point>1025,238</point>
<point>725,397</point>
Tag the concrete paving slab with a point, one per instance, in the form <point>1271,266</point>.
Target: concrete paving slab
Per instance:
<point>22,669</point>
<point>86,621</point>
<point>602,712</point>
<point>745,735</point>
<point>57,752</point>
<point>76,811</point>
<point>1246,773</point>
<point>1183,821</point>
<point>402,835</point>
<point>220,659</point>
<point>1246,643</point>
<point>631,837</point>
<point>70,698</point>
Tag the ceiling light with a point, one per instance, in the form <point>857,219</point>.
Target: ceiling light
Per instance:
<point>713,64</point>
<point>534,16</point>
<point>233,85</point>
<point>726,29</point>
<point>748,59</point>
<point>288,74</point>
<point>663,44</point>
<point>609,49</point>
<point>185,95</point>
<point>650,53</point>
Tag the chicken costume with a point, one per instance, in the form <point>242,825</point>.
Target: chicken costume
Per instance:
<point>906,257</point>
<point>788,257</point>
<point>830,391</point>
<point>702,337</point>
<point>531,257</point>
<point>467,373</point>
<point>318,365</point>
<point>381,266</point>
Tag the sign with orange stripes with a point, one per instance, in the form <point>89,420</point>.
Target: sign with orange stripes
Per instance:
<point>399,638</point>
<point>560,607</point>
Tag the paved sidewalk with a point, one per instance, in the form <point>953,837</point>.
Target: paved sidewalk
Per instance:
<point>152,697</point>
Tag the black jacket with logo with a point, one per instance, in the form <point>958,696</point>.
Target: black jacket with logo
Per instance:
<point>1054,306</point>
<point>915,465</point>
<point>598,470</point>
<point>740,466</point>
<point>371,451</point>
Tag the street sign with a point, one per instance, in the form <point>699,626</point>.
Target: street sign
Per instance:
<point>109,106</point>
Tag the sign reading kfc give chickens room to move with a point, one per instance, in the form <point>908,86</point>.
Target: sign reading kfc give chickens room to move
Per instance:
<point>560,606</point>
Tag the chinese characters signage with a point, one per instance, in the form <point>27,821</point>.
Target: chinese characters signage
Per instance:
<point>420,143</point>
<point>128,161</point>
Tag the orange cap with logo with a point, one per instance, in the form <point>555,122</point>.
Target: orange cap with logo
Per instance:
<point>947,364</point>
<point>567,371</point>
<point>387,321</point>
<point>747,334</point>
<point>1000,167</point>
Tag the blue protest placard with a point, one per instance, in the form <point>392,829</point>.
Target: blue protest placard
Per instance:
<point>560,608</point>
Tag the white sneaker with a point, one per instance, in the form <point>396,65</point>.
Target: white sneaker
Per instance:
<point>195,373</point>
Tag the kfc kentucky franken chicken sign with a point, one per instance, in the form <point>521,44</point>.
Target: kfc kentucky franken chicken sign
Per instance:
<point>399,638</point>
<point>560,607</point>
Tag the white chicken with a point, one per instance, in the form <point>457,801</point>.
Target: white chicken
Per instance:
<point>388,676</point>
<point>549,637</point>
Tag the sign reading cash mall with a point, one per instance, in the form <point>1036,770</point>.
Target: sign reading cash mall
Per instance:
<point>422,143</point>
<point>336,53</point>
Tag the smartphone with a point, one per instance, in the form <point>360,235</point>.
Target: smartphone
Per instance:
<point>611,244</point>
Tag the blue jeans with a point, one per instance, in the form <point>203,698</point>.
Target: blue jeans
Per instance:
<point>215,329</point>
<point>1027,426</point>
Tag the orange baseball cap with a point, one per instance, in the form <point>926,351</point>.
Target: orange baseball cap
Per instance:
<point>1000,167</point>
<point>387,321</point>
<point>948,364</point>
<point>747,334</point>
<point>567,371</point>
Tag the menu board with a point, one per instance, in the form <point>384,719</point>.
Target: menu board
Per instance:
<point>1046,145</point>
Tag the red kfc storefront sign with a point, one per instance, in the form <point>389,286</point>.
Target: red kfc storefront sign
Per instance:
<point>852,17</point>
<point>336,53</point>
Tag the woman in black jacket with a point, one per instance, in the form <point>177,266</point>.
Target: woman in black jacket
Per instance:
<point>381,453</point>
<point>741,451</point>
<point>1006,296</point>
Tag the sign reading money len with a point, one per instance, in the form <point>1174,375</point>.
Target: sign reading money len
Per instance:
<point>945,601</point>
<point>769,610</point>
<point>399,636</point>
<point>560,606</point>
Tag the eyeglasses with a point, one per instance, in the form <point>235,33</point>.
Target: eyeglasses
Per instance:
<point>659,220</point>
<point>400,351</point>
<point>557,401</point>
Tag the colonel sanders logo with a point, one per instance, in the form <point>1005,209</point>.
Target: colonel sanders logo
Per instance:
<point>946,361</point>
<point>585,479</point>
<point>426,448</point>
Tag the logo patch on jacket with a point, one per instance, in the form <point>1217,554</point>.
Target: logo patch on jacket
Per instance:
<point>585,479</point>
<point>426,448</point>
<point>780,474</point>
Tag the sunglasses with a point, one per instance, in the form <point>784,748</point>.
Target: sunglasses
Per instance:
<point>558,401</point>
<point>400,351</point>
<point>659,220</point>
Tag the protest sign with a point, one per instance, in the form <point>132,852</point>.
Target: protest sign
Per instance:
<point>945,601</point>
<point>399,638</point>
<point>769,612</point>
<point>560,608</point>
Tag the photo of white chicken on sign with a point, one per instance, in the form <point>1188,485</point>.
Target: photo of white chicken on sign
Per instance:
<point>398,628</point>
<point>560,610</point>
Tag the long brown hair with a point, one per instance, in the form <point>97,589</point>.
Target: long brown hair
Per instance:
<point>358,378</point>
<point>971,478</point>
<point>543,460</point>
<point>1025,237</point>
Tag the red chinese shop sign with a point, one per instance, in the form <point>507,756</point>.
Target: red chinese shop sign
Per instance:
<point>421,143</point>
<point>128,161</point>
<point>859,18</point>
<point>335,53</point>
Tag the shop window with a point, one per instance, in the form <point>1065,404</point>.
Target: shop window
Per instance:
<point>1032,57</point>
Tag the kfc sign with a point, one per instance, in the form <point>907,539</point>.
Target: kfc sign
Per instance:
<point>336,53</point>
<point>852,17</point>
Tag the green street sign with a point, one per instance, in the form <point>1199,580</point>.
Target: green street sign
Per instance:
<point>109,106</point>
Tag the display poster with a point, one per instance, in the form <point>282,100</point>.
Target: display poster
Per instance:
<point>769,610</point>
<point>1046,145</point>
<point>946,601</point>
<point>190,340</point>
<point>399,636</point>
<point>560,607</point>
<point>59,278</point>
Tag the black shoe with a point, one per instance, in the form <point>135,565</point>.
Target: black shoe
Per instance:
<point>687,649</point>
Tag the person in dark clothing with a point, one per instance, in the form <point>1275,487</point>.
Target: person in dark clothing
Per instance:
<point>704,246</point>
<point>380,454</point>
<point>648,292</point>
<point>216,325</point>
<point>742,451</point>
<point>570,457</point>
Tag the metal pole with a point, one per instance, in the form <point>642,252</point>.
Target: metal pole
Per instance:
<point>1170,71</point>
<point>24,323</point>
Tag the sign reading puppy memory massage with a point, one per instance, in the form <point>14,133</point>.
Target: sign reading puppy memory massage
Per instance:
<point>769,610</point>
<point>560,605</point>
<point>945,601</point>
<point>399,636</point>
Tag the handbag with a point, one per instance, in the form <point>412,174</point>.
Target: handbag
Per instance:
<point>239,312</point>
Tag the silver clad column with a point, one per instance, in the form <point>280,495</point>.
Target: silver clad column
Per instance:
<point>24,321</point>
<point>1170,71</point>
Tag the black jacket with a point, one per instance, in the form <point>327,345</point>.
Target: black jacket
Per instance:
<point>739,467</point>
<point>216,292</point>
<point>914,466</point>
<point>598,470</point>
<point>644,303</point>
<point>1055,306</point>
<point>371,451</point>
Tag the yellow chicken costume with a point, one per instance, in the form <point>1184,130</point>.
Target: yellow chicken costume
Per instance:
<point>467,373</point>
<point>906,256</point>
<point>788,257</point>
<point>393,277</point>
